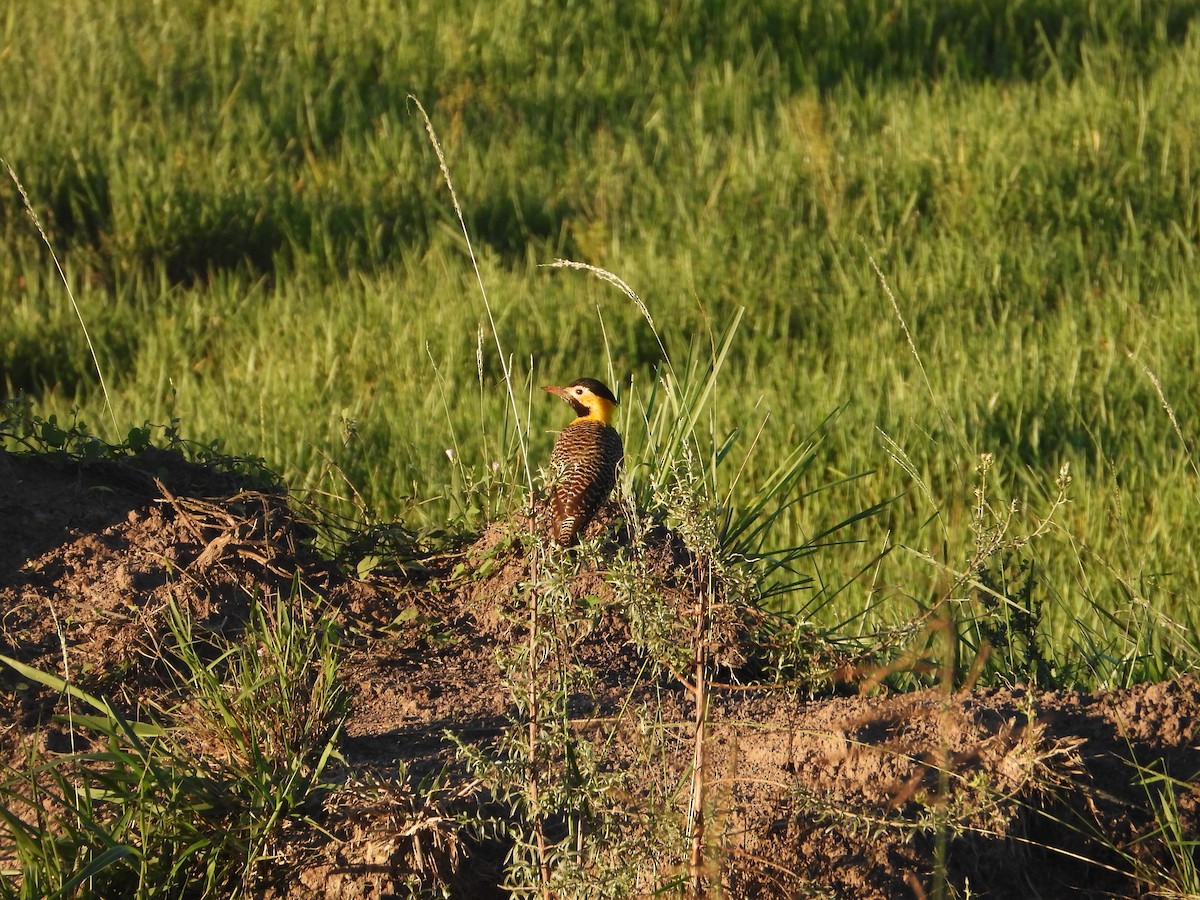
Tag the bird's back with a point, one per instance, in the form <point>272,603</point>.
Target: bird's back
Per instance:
<point>584,463</point>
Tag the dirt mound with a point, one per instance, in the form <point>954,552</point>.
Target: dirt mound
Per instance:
<point>1005,793</point>
<point>92,555</point>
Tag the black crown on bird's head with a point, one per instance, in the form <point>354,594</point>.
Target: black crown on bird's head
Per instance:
<point>596,387</point>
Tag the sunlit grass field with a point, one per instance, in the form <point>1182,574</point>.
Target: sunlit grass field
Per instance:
<point>949,230</point>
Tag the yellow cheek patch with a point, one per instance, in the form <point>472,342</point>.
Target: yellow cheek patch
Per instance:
<point>599,410</point>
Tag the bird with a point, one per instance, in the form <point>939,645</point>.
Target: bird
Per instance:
<point>584,462</point>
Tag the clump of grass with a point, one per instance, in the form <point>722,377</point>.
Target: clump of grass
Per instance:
<point>197,798</point>
<point>420,828</point>
<point>1165,857</point>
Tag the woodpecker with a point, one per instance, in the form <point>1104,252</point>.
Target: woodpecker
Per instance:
<point>585,458</point>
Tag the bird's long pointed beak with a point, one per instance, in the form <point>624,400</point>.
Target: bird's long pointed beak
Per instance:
<point>551,389</point>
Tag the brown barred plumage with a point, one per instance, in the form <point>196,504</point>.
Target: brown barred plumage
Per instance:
<point>585,459</point>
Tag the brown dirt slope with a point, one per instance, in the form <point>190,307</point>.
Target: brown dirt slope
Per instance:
<point>1008,792</point>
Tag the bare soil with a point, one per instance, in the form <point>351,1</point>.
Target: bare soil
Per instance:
<point>1007,792</point>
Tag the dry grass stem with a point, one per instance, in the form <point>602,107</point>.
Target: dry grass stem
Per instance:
<point>1166,404</point>
<point>62,276</point>
<point>619,283</point>
<point>504,360</point>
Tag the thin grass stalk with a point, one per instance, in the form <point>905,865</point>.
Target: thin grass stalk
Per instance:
<point>71,294</point>
<point>539,829</point>
<point>505,364</point>
<point>619,283</point>
<point>696,821</point>
<point>1170,410</point>
<point>908,337</point>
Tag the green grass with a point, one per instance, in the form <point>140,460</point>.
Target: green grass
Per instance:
<point>253,222</point>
